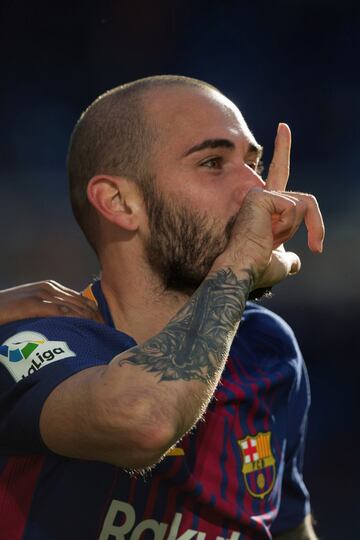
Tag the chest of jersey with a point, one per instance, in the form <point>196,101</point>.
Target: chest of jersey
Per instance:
<point>222,479</point>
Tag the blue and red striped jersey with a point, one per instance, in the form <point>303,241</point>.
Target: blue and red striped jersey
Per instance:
<point>237,475</point>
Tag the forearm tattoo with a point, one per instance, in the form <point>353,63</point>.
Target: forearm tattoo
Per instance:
<point>196,342</point>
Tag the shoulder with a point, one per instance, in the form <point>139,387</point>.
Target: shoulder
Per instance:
<point>265,323</point>
<point>40,330</point>
<point>54,327</point>
<point>265,339</point>
<point>28,345</point>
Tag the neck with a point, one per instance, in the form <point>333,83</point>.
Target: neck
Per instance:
<point>138,303</point>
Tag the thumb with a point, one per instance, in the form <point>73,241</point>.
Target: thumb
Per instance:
<point>293,261</point>
<point>290,260</point>
<point>282,264</point>
<point>285,263</point>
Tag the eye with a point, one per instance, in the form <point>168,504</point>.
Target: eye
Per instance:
<point>260,167</point>
<point>213,163</point>
<point>257,166</point>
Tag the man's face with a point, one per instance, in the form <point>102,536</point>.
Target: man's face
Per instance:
<point>203,165</point>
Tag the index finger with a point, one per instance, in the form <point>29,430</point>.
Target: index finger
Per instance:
<point>280,165</point>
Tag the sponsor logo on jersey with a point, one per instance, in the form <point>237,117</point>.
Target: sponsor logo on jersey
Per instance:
<point>258,468</point>
<point>27,352</point>
<point>120,524</point>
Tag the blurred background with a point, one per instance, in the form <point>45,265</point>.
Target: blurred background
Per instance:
<point>293,61</point>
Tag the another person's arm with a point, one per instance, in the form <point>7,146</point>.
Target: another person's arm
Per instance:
<point>44,299</point>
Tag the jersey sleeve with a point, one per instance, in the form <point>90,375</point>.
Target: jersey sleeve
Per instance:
<point>295,505</point>
<point>36,355</point>
<point>272,338</point>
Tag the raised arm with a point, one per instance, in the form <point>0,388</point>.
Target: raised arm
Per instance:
<point>130,412</point>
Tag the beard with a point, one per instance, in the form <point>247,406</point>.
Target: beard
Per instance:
<point>183,244</point>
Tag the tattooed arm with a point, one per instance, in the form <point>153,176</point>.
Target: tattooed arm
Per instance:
<point>150,396</point>
<point>130,412</point>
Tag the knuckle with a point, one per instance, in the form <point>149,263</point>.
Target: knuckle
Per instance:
<point>313,199</point>
<point>63,309</point>
<point>309,197</point>
<point>302,204</point>
<point>49,284</point>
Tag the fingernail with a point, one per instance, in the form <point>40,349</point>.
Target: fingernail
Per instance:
<point>295,269</point>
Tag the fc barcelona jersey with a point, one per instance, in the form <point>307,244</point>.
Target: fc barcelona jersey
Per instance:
<point>237,475</point>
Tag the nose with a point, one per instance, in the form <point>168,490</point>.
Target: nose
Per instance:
<point>254,179</point>
<point>250,179</point>
<point>246,180</point>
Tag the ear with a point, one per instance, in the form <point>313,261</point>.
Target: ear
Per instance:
<point>116,199</point>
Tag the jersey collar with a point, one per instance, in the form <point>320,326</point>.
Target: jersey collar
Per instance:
<point>94,292</point>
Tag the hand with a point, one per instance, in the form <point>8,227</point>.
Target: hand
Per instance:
<point>45,299</point>
<point>285,263</point>
<point>269,218</point>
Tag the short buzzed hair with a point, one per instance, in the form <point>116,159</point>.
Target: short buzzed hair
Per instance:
<point>114,136</point>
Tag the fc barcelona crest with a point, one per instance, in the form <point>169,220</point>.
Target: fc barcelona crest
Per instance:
<point>258,464</point>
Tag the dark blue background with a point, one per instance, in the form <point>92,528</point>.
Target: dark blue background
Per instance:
<point>294,61</point>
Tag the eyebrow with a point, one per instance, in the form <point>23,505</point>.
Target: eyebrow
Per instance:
<point>223,143</point>
<point>255,149</point>
<point>210,143</point>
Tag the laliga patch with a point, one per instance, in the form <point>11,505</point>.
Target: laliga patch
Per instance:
<point>27,352</point>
